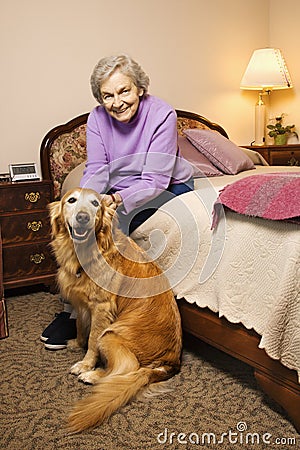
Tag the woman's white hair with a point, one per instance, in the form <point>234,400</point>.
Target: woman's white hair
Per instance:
<point>108,65</point>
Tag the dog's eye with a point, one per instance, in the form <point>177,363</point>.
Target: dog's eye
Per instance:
<point>95,203</point>
<point>72,200</point>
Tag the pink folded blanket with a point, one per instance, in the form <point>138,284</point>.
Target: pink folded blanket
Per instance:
<point>274,196</point>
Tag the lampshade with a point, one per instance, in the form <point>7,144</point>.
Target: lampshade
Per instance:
<point>266,70</point>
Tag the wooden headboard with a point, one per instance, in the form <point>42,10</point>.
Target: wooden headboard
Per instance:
<point>64,147</point>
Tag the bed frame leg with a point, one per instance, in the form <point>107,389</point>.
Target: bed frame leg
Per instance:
<point>284,395</point>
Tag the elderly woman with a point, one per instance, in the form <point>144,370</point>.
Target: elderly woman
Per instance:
<point>132,143</point>
<point>132,156</point>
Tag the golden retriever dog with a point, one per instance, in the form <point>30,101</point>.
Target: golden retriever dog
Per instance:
<point>127,314</point>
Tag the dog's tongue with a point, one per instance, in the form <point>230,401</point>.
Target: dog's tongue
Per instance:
<point>80,233</point>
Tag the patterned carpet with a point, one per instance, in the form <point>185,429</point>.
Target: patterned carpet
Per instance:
<point>212,395</point>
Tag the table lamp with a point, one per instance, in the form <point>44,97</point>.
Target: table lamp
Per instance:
<point>266,71</point>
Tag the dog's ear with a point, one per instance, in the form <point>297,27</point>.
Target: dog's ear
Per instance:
<point>55,217</point>
<point>105,225</point>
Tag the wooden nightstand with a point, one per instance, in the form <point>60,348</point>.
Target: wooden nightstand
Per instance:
<point>278,155</point>
<point>25,229</point>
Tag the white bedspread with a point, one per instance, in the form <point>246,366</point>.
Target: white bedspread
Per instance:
<point>247,270</point>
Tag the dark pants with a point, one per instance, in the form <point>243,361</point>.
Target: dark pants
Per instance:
<point>129,222</point>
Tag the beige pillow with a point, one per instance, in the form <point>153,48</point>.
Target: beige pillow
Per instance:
<point>255,157</point>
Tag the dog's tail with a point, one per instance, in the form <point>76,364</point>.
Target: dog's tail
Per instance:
<point>110,394</point>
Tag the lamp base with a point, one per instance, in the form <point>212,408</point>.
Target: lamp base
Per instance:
<point>260,121</point>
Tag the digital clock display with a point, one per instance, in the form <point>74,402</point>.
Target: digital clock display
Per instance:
<point>20,170</point>
<point>23,172</point>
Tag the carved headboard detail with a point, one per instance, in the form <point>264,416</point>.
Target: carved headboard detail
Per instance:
<point>64,147</point>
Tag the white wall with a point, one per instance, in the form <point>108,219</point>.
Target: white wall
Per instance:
<point>194,51</point>
<point>284,34</point>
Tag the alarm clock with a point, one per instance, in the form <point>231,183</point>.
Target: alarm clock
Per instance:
<point>23,172</point>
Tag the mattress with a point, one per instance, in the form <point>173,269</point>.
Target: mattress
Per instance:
<point>246,269</point>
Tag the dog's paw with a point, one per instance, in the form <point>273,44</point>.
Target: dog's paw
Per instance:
<point>80,367</point>
<point>92,376</point>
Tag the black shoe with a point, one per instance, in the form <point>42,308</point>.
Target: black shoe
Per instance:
<point>59,320</point>
<point>62,335</point>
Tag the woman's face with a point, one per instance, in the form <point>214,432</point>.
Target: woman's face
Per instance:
<point>120,96</point>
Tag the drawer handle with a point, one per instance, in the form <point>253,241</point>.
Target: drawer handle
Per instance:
<point>34,225</point>
<point>32,197</point>
<point>37,258</point>
<point>293,161</point>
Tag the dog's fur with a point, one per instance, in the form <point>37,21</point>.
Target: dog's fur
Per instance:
<point>137,335</point>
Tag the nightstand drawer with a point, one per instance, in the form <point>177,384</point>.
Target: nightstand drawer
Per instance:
<point>25,261</point>
<point>279,155</point>
<point>20,197</point>
<point>25,227</point>
<point>284,158</point>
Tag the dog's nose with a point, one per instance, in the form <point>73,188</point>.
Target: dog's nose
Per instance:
<point>82,217</point>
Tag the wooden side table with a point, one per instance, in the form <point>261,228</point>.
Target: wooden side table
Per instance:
<point>3,314</point>
<point>278,155</point>
<point>25,229</point>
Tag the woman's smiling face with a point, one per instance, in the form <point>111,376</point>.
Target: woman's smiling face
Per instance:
<point>120,96</point>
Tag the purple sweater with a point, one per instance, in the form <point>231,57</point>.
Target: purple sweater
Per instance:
<point>138,159</point>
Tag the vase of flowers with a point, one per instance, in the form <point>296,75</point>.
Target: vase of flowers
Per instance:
<point>279,132</point>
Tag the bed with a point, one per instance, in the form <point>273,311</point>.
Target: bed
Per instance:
<point>235,274</point>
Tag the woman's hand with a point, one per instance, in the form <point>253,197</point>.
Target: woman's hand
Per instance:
<point>113,200</point>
